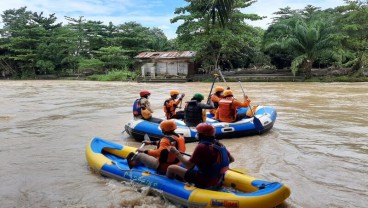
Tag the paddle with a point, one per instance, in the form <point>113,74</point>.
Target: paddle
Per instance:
<point>223,79</point>
<point>204,116</point>
<point>146,139</point>
<point>213,83</point>
<point>182,95</point>
<point>257,123</point>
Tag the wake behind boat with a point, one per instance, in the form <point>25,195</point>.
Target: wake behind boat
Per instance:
<point>239,190</point>
<point>245,127</point>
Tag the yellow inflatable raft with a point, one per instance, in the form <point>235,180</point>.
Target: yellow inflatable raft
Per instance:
<point>239,190</point>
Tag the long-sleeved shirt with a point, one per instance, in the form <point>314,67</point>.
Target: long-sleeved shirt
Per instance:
<point>228,109</point>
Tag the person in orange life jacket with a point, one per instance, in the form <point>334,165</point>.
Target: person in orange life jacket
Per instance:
<point>142,107</point>
<point>171,104</point>
<point>216,97</point>
<point>228,108</point>
<point>193,110</point>
<point>211,158</point>
<point>160,158</point>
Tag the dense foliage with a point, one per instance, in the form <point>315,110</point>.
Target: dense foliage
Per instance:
<point>31,44</point>
<point>311,37</point>
<point>226,41</point>
<point>306,36</point>
<point>298,40</point>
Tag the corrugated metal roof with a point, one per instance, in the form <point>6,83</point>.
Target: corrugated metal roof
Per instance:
<point>166,55</point>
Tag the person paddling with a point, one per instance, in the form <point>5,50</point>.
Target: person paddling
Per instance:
<point>171,104</point>
<point>228,108</point>
<point>211,158</point>
<point>160,158</point>
<point>193,111</point>
<point>216,97</point>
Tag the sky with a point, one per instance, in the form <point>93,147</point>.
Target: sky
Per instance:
<point>149,13</point>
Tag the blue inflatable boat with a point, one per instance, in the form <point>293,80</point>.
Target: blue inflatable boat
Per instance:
<point>245,127</point>
<point>239,190</point>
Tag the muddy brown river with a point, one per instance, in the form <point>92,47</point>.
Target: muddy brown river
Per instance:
<point>318,145</point>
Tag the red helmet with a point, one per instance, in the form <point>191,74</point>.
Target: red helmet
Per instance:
<point>144,93</point>
<point>206,129</point>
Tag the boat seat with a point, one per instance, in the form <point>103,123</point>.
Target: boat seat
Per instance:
<point>155,120</point>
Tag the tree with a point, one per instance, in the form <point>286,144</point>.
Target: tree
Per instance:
<point>94,33</point>
<point>215,39</point>
<point>77,25</point>
<point>47,23</point>
<point>307,41</point>
<point>219,10</point>
<point>110,34</point>
<point>26,37</point>
<point>113,57</point>
<point>23,35</point>
<point>304,37</point>
<point>158,40</point>
<point>133,38</point>
<point>48,52</point>
<point>354,24</point>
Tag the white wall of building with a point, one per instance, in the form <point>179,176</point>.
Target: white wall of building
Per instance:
<point>147,69</point>
<point>165,68</point>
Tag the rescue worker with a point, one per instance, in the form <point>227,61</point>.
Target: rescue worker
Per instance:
<point>216,97</point>
<point>171,104</point>
<point>211,158</point>
<point>160,158</point>
<point>193,111</point>
<point>228,108</point>
<point>142,107</point>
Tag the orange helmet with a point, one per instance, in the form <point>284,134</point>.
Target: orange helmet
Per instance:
<point>228,93</point>
<point>144,93</point>
<point>174,92</point>
<point>168,125</point>
<point>206,129</point>
<point>219,89</point>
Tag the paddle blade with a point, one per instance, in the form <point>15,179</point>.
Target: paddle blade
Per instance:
<point>146,138</point>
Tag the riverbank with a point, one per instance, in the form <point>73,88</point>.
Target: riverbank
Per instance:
<point>244,75</point>
<point>248,75</point>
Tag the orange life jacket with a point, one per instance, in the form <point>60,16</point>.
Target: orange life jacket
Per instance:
<point>169,108</point>
<point>166,158</point>
<point>226,112</point>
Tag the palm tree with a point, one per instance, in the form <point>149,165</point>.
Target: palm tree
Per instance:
<point>306,40</point>
<point>219,10</point>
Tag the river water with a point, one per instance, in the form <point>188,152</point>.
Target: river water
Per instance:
<point>318,146</point>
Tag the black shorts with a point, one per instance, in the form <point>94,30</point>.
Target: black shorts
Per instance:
<point>200,180</point>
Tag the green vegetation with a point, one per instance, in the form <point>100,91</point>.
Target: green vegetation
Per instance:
<point>310,37</point>
<point>303,41</point>
<point>219,40</point>
<point>114,75</point>
<point>32,45</point>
